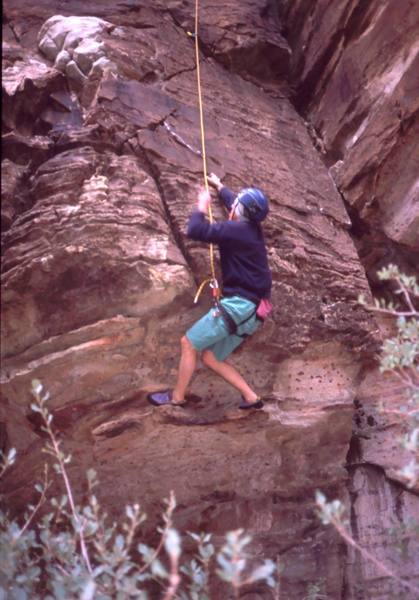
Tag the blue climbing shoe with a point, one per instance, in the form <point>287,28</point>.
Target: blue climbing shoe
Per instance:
<point>246,405</point>
<point>163,398</point>
<point>160,398</point>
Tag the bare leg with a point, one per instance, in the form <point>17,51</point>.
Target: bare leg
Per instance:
<point>187,366</point>
<point>230,374</point>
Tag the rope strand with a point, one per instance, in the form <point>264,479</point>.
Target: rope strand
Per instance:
<point>211,279</point>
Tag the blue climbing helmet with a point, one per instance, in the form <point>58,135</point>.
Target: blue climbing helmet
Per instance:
<point>255,203</point>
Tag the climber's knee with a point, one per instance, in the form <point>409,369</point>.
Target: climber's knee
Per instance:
<point>208,359</point>
<point>186,346</point>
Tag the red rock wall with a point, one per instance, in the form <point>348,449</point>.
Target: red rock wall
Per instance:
<point>101,168</point>
<point>354,67</point>
<point>354,72</point>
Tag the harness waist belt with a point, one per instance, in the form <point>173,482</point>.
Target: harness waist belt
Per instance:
<point>232,326</point>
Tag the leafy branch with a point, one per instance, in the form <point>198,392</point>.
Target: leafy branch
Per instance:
<point>54,449</point>
<point>82,556</point>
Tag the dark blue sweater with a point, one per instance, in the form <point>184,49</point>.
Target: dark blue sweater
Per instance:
<point>244,261</point>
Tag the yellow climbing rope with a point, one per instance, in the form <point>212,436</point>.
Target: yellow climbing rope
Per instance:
<point>211,280</point>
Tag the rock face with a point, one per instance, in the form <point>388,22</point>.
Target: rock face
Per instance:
<point>356,77</point>
<point>101,167</point>
<point>383,513</point>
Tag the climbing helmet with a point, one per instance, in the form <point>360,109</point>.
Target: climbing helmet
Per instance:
<point>255,203</point>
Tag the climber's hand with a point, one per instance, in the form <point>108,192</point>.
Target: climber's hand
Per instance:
<point>204,199</point>
<point>215,181</point>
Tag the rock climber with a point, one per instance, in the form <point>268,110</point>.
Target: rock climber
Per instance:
<point>246,280</point>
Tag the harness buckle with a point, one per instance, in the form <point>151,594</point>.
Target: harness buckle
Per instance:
<point>216,292</point>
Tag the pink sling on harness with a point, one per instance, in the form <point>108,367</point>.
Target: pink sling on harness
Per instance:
<point>264,309</point>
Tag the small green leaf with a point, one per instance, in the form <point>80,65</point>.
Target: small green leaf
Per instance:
<point>145,551</point>
<point>36,386</point>
<point>89,590</point>
<point>264,571</point>
<point>119,542</point>
<point>11,456</point>
<point>172,543</point>
<point>158,569</point>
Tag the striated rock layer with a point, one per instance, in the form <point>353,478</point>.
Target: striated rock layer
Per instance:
<point>355,65</point>
<point>101,166</point>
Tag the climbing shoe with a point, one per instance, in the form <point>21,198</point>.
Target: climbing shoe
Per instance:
<point>162,398</point>
<point>246,405</point>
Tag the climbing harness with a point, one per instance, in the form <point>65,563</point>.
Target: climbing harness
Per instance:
<point>212,280</point>
<point>232,326</point>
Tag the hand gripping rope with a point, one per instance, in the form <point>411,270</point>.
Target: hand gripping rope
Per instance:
<point>211,280</point>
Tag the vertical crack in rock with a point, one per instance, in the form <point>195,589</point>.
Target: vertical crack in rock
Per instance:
<point>374,502</point>
<point>179,239</point>
<point>380,508</point>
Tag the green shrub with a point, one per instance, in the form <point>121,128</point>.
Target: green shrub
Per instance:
<point>74,552</point>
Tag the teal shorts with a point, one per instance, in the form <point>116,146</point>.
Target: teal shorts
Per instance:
<point>211,332</point>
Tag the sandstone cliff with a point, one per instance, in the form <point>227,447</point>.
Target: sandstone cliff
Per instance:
<point>101,164</point>
<point>354,66</point>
